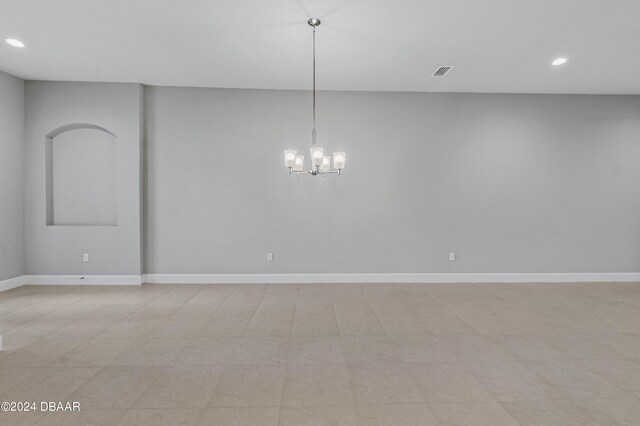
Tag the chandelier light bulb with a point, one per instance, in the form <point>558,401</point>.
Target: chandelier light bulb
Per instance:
<point>316,155</point>
<point>290,157</point>
<point>339,160</point>
<point>326,163</point>
<point>299,163</point>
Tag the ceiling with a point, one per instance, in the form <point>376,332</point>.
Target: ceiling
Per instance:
<point>497,46</point>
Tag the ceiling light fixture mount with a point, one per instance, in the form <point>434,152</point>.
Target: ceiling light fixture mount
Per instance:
<point>320,163</point>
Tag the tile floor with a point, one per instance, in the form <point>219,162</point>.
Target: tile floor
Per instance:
<point>321,355</point>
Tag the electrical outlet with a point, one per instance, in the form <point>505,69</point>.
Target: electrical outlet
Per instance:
<point>85,257</point>
<point>269,257</point>
<point>452,256</point>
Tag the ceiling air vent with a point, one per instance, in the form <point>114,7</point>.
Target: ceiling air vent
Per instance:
<point>442,71</point>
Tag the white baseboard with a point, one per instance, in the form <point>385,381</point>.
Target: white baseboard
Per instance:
<point>317,278</point>
<point>390,278</point>
<point>12,283</point>
<point>83,279</point>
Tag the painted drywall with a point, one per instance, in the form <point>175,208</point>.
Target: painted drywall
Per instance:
<point>511,183</point>
<point>12,110</point>
<point>113,250</point>
<point>82,165</point>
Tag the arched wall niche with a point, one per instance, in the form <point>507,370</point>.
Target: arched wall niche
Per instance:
<point>81,176</point>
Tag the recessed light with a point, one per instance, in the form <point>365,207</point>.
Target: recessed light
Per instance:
<point>559,61</point>
<point>14,42</point>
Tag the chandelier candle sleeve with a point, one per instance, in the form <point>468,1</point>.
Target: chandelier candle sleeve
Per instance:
<point>290,157</point>
<point>339,160</point>
<point>320,163</point>
<point>326,164</point>
<point>316,155</point>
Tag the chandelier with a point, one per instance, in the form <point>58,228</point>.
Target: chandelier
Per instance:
<point>320,163</point>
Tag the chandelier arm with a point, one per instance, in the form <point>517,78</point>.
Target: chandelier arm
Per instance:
<point>314,172</point>
<point>317,172</point>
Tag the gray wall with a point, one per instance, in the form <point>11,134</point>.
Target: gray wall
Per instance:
<point>82,166</point>
<point>113,250</point>
<point>11,176</point>
<point>511,183</point>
